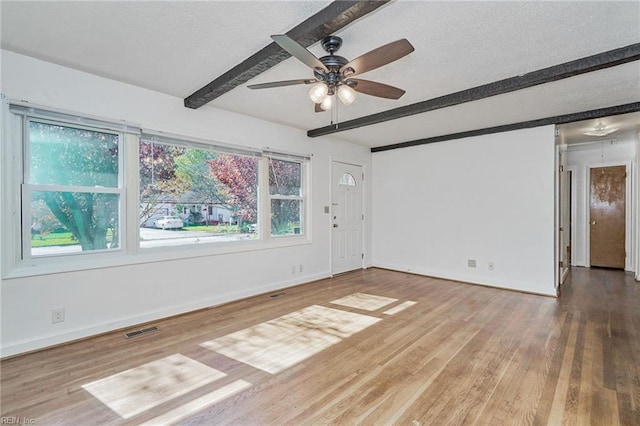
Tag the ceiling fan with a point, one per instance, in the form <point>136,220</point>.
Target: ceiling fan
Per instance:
<point>333,74</point>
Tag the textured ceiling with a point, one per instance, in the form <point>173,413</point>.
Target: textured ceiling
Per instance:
<point>174,47</point>
<point>177,47</point>
<point>574,133</point>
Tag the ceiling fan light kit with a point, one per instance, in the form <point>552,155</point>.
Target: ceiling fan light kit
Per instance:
<point>333,74</point>
<point>318,92</point>
<point>346,94</point>
<point>326,103</point>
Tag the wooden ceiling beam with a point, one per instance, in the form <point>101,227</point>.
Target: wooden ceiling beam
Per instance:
<point>332,18</point>
<point>559,119</point>
<point>584,65</point>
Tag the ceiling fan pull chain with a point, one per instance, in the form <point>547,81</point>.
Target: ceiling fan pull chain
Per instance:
<point>332,122</point>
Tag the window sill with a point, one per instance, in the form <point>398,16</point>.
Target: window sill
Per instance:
<point>149,255</point>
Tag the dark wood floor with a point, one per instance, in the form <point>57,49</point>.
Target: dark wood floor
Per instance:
<point>461,354</point>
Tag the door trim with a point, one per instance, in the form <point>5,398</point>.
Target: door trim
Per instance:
<point>567,231</point>
<point>574,213</point>
<point>365,188</point>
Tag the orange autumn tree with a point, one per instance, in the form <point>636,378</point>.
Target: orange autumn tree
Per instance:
<point>238,179</point>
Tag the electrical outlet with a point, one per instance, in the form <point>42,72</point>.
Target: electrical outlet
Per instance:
<point>293,269</point>
<point>491,266</point>
<point>471,263</point>
<point>300,268</point>
<point>57,315</point>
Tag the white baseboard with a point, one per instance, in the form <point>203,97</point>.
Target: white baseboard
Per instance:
<point>86,332</point>
<point>513,285</point>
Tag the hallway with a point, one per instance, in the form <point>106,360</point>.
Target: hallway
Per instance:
<point>602,332</point>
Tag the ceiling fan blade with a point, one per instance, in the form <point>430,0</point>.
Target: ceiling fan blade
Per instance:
<point>299,52</point>
<point>378,57</point>
<point>282,83</point>
<point>376,89</point>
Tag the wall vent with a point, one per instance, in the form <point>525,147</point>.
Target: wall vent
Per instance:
<point>137,333</point>
<point>273,296</point>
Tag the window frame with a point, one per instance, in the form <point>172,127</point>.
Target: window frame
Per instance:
<point>26,189</point>
<point>302,197</point>
<point>13,120</point>
<point>150,136</point>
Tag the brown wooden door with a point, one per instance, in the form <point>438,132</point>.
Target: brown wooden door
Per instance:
<point>607,216</point>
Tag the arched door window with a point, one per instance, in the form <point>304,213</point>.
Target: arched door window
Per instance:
<point>347,179</point>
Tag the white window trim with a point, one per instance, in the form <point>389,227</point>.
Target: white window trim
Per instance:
<point>304,188</point>
<point>11,159</point>
<point>197,143</point>
<point>163,138</point>
<point>27,188</point>
<point>20,261</point>
<point>26,217</point>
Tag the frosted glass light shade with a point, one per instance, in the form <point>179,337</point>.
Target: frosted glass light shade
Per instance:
<point>346,94</point>
<point>318,92</point>
<point>600,130</point>
<point>326,103</point>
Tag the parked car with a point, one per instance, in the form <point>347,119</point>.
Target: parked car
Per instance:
<point>253,228</point>
<point>150,222</point>
<point>169,222</point>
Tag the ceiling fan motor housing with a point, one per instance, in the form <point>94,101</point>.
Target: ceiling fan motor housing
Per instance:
<point>331,44</point>
<point>333,62</point>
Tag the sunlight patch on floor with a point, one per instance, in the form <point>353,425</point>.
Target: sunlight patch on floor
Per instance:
<point>283,342</point>
<point>134,391</point>
<point>193,406</point>
<point>367,302</point>
<point>399,308</point>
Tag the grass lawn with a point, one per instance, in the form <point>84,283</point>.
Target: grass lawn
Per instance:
<point>57,239</point>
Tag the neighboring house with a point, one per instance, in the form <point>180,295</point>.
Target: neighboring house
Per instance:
<point>211,214</point>
<point>188,207</point>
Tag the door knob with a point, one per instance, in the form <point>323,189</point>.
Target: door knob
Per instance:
<point>593,222</point>
<point>335,225</point>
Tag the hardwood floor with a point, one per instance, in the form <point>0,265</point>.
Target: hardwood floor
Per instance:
<point>460,354</point>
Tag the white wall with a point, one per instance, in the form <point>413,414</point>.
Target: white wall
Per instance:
<point>622,151</point>
<point>105,299</point>
<point>488,198</point>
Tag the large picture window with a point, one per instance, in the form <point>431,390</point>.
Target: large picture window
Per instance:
<point>72,189</point>
<point>72,183</point>
<point>192,195</point>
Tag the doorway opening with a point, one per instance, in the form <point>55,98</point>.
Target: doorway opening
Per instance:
<point>584,152</point>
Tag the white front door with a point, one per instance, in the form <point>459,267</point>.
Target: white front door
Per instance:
<point>347,219</point>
